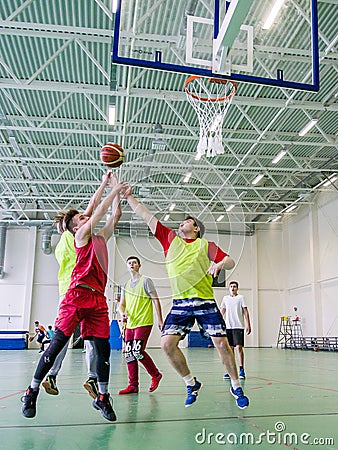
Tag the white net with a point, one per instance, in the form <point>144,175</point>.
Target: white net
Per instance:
<point>211,99</point>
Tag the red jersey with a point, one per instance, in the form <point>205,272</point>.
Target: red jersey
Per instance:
<point>91,265</point>
<point>166,235</point>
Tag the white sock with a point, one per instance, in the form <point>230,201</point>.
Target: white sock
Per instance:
<point>35,384</point>
<point>189,380</point>
<point>103,387</point>
<point>235,384</point>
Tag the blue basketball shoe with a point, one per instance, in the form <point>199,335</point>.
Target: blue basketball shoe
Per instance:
<point>192,393</point>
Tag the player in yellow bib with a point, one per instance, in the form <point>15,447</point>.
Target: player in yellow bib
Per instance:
<point>136,308</point>
<point>188,260</point>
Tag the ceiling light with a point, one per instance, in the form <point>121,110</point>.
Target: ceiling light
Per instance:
<point>112,113</point>
<point>144,191</point>
<point>172,207</point>
<point>187,177</point>
<point>14,144</point>
<point>229,208</point>
<point>220,218</point>
<point>278,157</point>
<point>331,180</point>
<point>258,178</point>
<point>308,127</point>
<point>166,217</point>
<point>272,14</point>
<point>276,218</point>
<point>290,208</point>
<point>198,156</point>
<point>114,6</point>
<point>26,171</point>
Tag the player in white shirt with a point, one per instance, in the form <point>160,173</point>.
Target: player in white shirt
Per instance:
<point>236,319</point>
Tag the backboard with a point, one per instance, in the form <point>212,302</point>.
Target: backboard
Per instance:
<point>223,39</point>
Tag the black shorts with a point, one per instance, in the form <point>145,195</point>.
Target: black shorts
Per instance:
<point>235,336</point>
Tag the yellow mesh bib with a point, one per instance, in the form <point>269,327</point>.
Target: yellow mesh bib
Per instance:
<point>187,265</point>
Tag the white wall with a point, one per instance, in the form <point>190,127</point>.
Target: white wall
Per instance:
<point>282,266</point>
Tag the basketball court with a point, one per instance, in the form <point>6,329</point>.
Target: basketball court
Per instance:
<point>287,404</point>
<point>226,110</point>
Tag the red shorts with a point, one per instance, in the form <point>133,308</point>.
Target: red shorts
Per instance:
<point>85,306</point>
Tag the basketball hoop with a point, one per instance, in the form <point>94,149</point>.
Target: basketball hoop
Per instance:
<point>210,98</point>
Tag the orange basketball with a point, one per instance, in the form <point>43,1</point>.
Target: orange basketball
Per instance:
<point>112,155</point>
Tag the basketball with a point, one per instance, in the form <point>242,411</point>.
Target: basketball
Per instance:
<point>112,155</point>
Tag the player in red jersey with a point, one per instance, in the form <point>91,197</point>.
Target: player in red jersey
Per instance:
<point>84,301</point>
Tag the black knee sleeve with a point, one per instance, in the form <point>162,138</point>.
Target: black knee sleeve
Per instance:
<point>102,348</point>
<point>47,359</point>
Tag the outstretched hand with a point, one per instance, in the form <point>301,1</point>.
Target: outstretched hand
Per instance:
<point>106,178</point>
<point>113,181</point>
<point>127,192</point>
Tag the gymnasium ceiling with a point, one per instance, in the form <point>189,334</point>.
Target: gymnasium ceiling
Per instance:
<point>55,80</point>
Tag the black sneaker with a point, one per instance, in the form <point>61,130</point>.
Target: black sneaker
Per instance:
<point>102,403</point>
<point>50,385</point>
<point>91,386</point>
<point>29,402</point>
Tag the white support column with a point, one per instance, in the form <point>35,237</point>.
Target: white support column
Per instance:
<point>254,314</point>
<point>314,252</point>
<point>27,306</point>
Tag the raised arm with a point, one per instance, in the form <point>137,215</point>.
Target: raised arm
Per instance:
<point>96,198</point>
<point>141,210</point>
<point>85,231</point>
<point>116,214</point>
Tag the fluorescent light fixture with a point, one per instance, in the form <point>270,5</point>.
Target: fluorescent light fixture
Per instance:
<point>290,208</point>
<point>26,171</point>
<point>187,177</point>
<point>112,114</point>
<point>308,127</point>
<point>257,179</point>
<point>220,218</point>
<point>166,217</point>
<point>331,180</point>
<point>229,208</point>
<point>113,6</point>
<point>278,157</point>
<point>242,194</point>
<point>144,191</point>
<point>276,218</point>
<point>273,14</point>
<point>198,156</point>
<point>172,207</point>
<point>14,144</point>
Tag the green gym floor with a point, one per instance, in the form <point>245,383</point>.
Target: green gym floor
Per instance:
<point>293,404</point>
